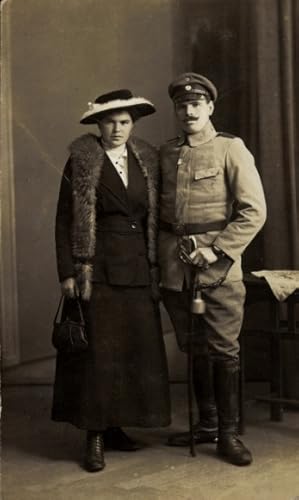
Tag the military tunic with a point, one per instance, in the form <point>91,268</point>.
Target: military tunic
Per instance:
<point>215,181</point>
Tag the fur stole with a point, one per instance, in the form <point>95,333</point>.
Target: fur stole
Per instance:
<point>87,160</point>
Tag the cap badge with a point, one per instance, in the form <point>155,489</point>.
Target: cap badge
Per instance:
<point>188,87</point>
<point>90,105</point>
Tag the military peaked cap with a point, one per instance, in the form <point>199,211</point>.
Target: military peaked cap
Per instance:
<point>192,86</point>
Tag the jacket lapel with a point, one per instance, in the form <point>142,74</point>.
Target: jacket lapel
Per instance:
<point>87,160</point>
<point>112,185</point>
<point>137,188</point>
<point>147,160</point>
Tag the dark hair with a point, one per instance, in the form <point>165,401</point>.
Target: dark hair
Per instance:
<point>133,112</point>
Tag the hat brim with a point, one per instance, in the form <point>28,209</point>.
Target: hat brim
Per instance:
<point>142,107</point>
<point>184,96</point>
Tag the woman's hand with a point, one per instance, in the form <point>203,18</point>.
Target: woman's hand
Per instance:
<point>69,288</point>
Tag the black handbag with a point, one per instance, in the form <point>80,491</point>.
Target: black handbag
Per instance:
<point>69,334</point>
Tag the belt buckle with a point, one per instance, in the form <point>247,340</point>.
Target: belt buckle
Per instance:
<point>179,229</point>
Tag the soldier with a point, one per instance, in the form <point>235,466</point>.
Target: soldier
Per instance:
<point>211,195</point>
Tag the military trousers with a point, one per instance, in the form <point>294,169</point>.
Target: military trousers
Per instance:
<point>216,332</point>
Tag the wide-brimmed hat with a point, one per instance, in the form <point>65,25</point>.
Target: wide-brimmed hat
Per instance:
<point>114,101</point>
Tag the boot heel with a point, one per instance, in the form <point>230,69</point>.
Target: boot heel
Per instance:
<point>94,455</point>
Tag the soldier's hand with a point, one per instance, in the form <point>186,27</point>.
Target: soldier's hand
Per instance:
<point>186,245</point>
<point>69,288</point>
<point>203,257</point>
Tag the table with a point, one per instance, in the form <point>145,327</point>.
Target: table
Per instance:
<point>258,290</point>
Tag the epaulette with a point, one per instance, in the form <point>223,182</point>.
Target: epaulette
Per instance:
<point>174,139</point>
<point>226,134</point>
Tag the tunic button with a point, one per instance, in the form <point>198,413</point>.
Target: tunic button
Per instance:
<point>133,225</point>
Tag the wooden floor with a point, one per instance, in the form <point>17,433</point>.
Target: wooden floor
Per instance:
<point>41,460</point>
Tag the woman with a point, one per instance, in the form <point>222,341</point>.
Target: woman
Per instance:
<point>106,227</point>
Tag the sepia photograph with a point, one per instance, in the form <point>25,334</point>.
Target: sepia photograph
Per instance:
<point>149,249</point>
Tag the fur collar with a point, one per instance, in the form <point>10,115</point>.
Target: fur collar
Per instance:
<point>87,160</point>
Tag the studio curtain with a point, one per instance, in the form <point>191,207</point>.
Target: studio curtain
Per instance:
<point>270,45</point>
<point>250,49</point>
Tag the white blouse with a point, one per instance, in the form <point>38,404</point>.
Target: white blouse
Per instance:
<point>119,158</point>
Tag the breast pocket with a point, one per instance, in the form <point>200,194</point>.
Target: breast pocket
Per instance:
<point>204,174</point>
<point>207,185</point>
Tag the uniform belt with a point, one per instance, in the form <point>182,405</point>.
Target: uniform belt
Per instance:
<point>180,229</point>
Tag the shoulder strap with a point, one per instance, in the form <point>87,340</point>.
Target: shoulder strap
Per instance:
<point>226,134</point>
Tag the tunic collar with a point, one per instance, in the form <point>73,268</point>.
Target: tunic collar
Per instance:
<point>205,135</point>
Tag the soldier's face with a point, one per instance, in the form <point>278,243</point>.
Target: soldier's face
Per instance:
<point>116,128</point>
<point>194,115</point>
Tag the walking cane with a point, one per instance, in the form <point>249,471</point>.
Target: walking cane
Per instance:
<point>197,306</point>
<point>190,368</point>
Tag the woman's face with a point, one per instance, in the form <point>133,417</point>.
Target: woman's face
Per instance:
<point>116,128</point>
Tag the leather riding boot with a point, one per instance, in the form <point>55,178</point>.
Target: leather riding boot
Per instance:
<point>226,391</point>
<point>94,456</point>
<point>205,431</point>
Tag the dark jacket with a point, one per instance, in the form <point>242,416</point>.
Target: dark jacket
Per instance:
<point>101,228</point>
<point>121,379</point>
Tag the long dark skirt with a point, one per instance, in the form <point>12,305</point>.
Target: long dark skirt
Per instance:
<point>122,379</point>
